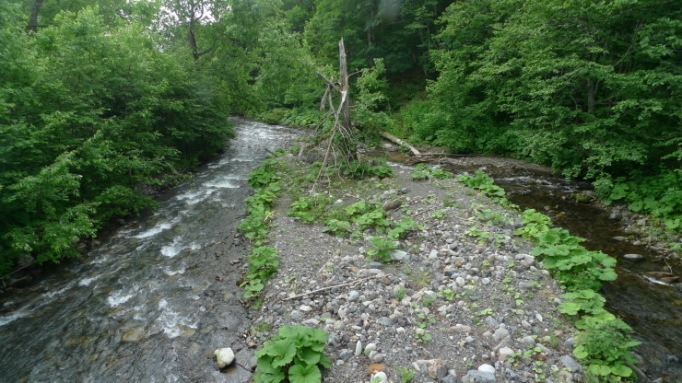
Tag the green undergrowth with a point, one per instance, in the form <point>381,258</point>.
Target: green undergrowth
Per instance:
<point>481,182</point>
<point>658,196</point>
<point>295,354</point>
<point>424,172</point>
<point>603,342</point>
<point>263,260</point>
<point>354,221</point>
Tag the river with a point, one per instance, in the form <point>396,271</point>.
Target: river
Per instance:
<point>154,301</point>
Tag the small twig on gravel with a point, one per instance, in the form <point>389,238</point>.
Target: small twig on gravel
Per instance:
<point>330,287</point>
<point>466,219</point>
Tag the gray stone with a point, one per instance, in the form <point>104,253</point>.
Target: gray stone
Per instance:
<point>569,343</point>
<point>399,255</point>
<point>247,358</point>
<point>378,357</point>
<point>474,376</point>
<point>386,321</point>
<point>296,316</point>
<point>486,368</point>
<point>375,265</point>
<point>379,377</point>
<point>571,364</point>
<point>358,348</point>
<point>504,353</point>
<point>492,322</point>
<point>353,295</point>
<point>633,257</point>
<point>525,285</point>
<point>451,377</point>
<point>460,328</point>
<point>500,334</point>
<point>528,340</point>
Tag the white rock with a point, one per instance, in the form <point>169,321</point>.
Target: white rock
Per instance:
<point>504,353</point>
<point>358,348</point>
<point>379,377</point>
<point>486,368</point>
<point>224,357</point>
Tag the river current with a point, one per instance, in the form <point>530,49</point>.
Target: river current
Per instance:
<point>154,301</point>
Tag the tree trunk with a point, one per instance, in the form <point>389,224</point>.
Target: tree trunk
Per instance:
<point>592,88</point>
<point>345,97</point>
<point>33,19</point>
<point>400,142</point>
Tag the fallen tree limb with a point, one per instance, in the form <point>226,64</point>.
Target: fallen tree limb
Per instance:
<point>400,142</point>
<point>330,287</point>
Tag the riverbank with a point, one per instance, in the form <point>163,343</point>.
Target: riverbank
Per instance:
<point>461,299</point>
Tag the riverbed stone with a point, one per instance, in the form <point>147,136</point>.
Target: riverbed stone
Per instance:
<point>570,363</point>
<point>475,376</point>
<point>224,357</point>
<point>384,307</point>
<point>504,353</point>
<point>633,257</point>
<point>379,377</point>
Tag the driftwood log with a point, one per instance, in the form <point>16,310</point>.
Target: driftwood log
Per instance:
<point>400,142</point>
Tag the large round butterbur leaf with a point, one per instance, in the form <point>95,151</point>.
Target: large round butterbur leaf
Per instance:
<point>282,352</point>
<point>300,373</point>
<point>308,356</point>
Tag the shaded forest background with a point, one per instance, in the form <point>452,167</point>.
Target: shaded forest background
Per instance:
<point>103,103</point>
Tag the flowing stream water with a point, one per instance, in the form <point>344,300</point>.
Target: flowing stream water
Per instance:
<point>154,301</point>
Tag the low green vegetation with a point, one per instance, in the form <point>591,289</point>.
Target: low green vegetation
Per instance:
<point>658,196</point>
<point>604,342</point>
<point>381,249</point>
<point>406,375</point>
<point>354,219</point>
<point>363,169</point>
<point>423,172</point>
<point>263,261</point>
<point>295,355</point>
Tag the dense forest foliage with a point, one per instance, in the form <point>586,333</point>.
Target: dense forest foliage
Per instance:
<point>591,88</point>
<point>104,102</point>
